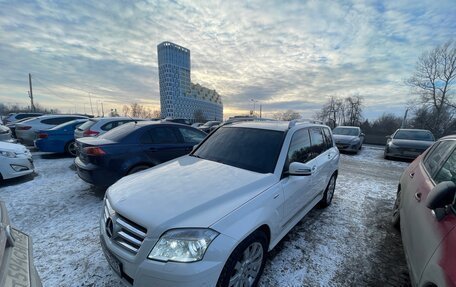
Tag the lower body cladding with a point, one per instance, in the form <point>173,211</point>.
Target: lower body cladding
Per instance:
<point>138,270</point>
<point>15,167</point>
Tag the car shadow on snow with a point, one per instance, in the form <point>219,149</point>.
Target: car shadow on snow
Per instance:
<point>55,155</point>
<point>17,180</point>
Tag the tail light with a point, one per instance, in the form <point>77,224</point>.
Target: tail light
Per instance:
<point>23,128</point>
<point>90,133</point>
<point>42,135</point>
<point>94,150</point>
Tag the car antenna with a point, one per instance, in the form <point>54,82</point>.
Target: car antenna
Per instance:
<point>136,121</point>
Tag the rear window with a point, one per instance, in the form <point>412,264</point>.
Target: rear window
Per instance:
<point>87,125</point>
<point>120,133</point>
<point>251,149</point>
<point>58,120</point>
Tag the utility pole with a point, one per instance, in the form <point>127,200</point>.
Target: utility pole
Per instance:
<point>405,118</point>
<point>91,107</point>
<point>32,106</point>
<point>260,110</point>
<point>102,110</point>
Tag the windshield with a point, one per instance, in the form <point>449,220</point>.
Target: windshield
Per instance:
<point>414,135</point>
<point>87,125</point>
<point>119,133</point>
<point>346,131</point>
<point>252,149</point>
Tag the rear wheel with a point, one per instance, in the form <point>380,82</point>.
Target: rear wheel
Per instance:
<point>70,148</point>
<point>329,192</point>
<point>138,168</point>
<point>246,263</point>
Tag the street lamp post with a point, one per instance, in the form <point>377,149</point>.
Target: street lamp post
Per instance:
<point>254,102</point>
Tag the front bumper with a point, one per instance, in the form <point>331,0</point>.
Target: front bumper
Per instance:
<point>348,147</point>
<point>402,153</point>
<point>11,167</point>
<point>138,270</point>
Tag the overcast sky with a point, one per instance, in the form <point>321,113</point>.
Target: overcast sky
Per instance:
<point>284,54</point>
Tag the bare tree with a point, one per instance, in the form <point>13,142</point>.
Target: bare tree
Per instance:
<point>353,113</point>
<point>337,111</point>
<point>126,110</point>
<point>288,115</point>
<point>434,81</point>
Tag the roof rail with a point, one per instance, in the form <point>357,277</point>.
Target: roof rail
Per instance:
<point>308,121</point>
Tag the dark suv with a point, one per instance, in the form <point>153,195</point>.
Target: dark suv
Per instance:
<point>132,147</point>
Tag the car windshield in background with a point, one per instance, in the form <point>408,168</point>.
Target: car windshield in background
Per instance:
<point>211,123</point>
<point>414,135</point>
<point>346,131</point>
<point>252,149</point>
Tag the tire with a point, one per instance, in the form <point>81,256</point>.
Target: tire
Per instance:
<point>137,168</point>
<point>396,216</point>
<point>329,192</point>
<point>246,263</point>
<point>70,148</point>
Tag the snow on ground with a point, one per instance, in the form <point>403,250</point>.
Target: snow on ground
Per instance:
<point>348,243</point>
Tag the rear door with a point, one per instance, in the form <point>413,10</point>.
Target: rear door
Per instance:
<point>422,233</point>
<point>321,154</point>
<point>162,143</point>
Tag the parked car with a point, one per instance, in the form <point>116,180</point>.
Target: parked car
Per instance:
<point>14,117</point>
<point>209,218</point>
<point>178,121</point>
<point>209,126</point>
<point>348,138</point>
<point>131,148</point>
<point>195,125</point>
<point>12,126</point>
<point>408,143</point>
<point>16,255</point>
<point>15,160</point>
<point>6,135</point>
<point>60,138</point>
<point>98,126</point>
<point>425,209</point>
<point>26,131</point>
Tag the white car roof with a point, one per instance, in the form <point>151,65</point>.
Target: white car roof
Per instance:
<point>271,125</point>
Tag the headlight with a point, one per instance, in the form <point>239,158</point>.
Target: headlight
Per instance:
<point>183,245</point>
<point>7,153</point>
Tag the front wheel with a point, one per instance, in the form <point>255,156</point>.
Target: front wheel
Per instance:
<point>245,265</point>
<point>329,192</point>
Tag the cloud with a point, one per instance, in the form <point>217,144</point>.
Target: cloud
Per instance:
<point>290,54</point>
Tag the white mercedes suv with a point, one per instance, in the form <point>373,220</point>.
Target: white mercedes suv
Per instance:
<point>210,217</point>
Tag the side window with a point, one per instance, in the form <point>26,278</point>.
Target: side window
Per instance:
<point>56,121</point>
<point>434,160</point>
<point>159,135</point>
<point>192,136</point>
<point>318,142</point>
<point>448,171</point>
<point>109,126</point>
<point>328,138</point>
<point>299,149</point>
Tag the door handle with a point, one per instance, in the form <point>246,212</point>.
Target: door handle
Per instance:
<point>418,196</point>
<point>412,175</point>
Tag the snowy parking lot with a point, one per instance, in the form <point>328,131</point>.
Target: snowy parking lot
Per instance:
<point>350,243</point>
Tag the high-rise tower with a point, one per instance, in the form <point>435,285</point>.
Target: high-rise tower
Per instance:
<point>179,98</point>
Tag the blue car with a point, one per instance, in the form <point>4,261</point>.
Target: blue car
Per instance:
<point>59,139</point>
<point>132,147</point>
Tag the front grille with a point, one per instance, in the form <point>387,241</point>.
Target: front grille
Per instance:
<point>125,232</point>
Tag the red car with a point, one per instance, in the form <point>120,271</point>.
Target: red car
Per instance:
<point>425,210</point>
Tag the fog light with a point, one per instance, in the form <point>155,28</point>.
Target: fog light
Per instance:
<point>19,167</point>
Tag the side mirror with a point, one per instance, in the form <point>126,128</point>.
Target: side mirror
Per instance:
<point>362,135</point>
<point>300,169</point>
<point>442,195</point>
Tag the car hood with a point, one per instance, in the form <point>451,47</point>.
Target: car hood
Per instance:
<point>185,192</point>
<point>343,138</point>
<point>412,144</point>
<point>11,147</point>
